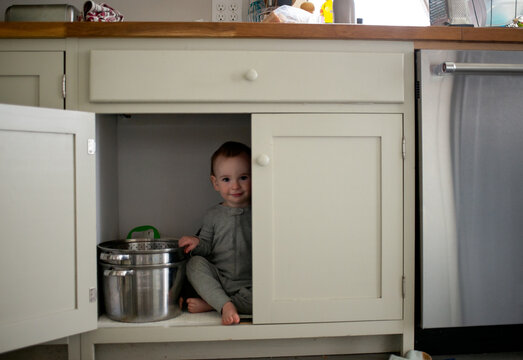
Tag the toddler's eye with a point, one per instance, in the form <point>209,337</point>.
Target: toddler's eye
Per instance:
<point>226,179</point>
<point>244,177</point>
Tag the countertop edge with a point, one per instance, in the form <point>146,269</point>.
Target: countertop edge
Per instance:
<point>54,30</point>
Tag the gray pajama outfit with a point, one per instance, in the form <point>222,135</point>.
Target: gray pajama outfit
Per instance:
<point>220,269</point>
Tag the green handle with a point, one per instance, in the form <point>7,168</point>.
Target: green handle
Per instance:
<point>144,228</point>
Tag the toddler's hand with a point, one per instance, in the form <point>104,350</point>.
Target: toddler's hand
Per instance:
<point>189,242</point>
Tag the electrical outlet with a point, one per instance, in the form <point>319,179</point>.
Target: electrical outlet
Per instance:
<point>233,7</point>
<point>227,10</point>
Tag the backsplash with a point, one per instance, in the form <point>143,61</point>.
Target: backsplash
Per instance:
<point>139,10</point>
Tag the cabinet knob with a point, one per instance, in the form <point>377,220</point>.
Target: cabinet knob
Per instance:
<point>251,75</point>
<point>263,160</point>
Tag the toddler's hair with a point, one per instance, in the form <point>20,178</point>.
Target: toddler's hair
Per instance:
<point>230,149</point>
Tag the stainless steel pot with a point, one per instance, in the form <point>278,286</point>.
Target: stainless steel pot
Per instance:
<point>142,278</point>
<point>142,293</point>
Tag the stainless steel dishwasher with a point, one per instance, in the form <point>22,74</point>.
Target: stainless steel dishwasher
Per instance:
<point>471,187</point>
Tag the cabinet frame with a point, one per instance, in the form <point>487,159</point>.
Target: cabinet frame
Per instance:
<point>384,335</point>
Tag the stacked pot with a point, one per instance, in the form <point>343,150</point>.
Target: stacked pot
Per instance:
<point>142,278</point>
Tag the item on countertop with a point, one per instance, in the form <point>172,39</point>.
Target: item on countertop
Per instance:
<point>517,22</point>
<point>307,6</point>
<point>449,12</point>
<point>326,12</point>
<point>54,12</point>
<point>255,12</point>
<point>290,14</point>
<point>344,11</point>
<point>101,13</point>
<point>265,14</point>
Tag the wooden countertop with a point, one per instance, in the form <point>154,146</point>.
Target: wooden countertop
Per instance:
<point>425,36</point>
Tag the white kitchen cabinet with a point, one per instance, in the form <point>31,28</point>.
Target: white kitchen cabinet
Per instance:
<point>48,225</point>
<point>34,78</point>
<point>333,209</point>
<point>328,224</point>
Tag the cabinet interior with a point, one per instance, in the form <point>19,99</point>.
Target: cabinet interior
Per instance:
<point>153,169</point>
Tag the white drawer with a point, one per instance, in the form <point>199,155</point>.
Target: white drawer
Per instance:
<point>136,76</point>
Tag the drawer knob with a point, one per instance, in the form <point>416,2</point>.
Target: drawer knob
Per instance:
<point>263,160</point>
<point>251,75</point>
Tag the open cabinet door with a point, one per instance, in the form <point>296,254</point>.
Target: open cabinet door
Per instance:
<point>47,225</point>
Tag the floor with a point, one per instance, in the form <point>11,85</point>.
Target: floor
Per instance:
<point>491,356</point>
<point>60,353</point>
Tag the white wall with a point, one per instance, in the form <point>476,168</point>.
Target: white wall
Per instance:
<point>373,12</point>
<point>153,169</point>
<point>141,10</point>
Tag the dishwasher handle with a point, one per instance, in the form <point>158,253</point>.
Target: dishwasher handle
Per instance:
<point>450,67</point>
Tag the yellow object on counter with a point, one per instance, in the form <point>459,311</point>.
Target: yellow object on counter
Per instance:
<point>326,12</point>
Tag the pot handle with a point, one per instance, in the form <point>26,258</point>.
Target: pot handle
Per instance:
<point>118,273</point>
<point>114,257</point>
<point>144,228</point>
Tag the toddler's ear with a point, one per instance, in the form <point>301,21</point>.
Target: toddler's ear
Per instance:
<point>214,182</point>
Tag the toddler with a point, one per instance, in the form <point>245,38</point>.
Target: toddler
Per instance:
<point>220,267</point>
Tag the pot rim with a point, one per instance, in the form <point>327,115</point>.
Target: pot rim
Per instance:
<point>142,266</point>
<point>106,246</point>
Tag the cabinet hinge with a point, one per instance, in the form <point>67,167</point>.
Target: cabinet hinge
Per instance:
<point>92,295</point>
<point>403,286</point>
<point>404,148</point>
<point>91,146</point>
<point>63,86</point>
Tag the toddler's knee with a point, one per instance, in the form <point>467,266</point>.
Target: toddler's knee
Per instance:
<point>195,261</point>
<point>195,264</point>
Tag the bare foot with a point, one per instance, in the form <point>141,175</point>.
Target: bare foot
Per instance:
<point>230,314</point>
<point>196,305</point>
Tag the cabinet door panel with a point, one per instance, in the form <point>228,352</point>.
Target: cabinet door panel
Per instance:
<point>328,217</point>
<point>32,78</point>
<point>48,225</point>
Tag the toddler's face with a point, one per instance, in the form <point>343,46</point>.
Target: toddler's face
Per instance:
<point>232,179</point>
